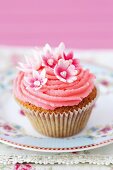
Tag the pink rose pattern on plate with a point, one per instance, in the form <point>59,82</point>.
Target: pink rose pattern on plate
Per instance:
<point>11,129</point>
<point>100,131</point>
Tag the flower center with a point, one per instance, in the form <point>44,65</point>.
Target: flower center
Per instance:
<point>63,74</point>
<point>50,61</point>
<point>37,83</point>
<point>70,61</point>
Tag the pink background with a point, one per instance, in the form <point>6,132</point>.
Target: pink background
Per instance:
<point>79,23</point>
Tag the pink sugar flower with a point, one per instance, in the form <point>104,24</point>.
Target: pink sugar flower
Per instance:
<point>59,51</point>
<point>50,56</point>
<point>72,60</point>
<point>32,63</point>
<point>65,71</point>
<point>56,52</point>
<point>47,49</point>
<point>49,60</point>
<point>35,80</point>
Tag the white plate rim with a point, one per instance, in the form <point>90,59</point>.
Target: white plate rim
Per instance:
<point>57,150</point>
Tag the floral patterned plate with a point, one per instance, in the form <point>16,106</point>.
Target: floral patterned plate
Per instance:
<point>15,129</point>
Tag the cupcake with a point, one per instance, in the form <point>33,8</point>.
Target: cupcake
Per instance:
<point>55,92</point>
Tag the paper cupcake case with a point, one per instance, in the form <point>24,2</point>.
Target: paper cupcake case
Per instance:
<point>59,124</point>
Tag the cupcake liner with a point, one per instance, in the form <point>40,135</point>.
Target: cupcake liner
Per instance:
<point>59,124</point>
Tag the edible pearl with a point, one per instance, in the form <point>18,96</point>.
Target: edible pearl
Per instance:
<point>37,83</point>
<point>50,61</point>
<point>63,74</point>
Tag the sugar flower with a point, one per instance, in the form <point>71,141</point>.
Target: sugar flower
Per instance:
<point>35,80</point>
<point>65,71</point>
<point>71,59</point>
<point>58,52</point>
<point>32,63</point>
<point>49,60</point>
<point>50,56</point>
<point>47,49</point>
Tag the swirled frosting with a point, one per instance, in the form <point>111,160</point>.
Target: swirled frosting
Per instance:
<point>55,93</point>
<point>53,80</point>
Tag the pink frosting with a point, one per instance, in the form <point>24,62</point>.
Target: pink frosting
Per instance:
<point>55,93</point>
